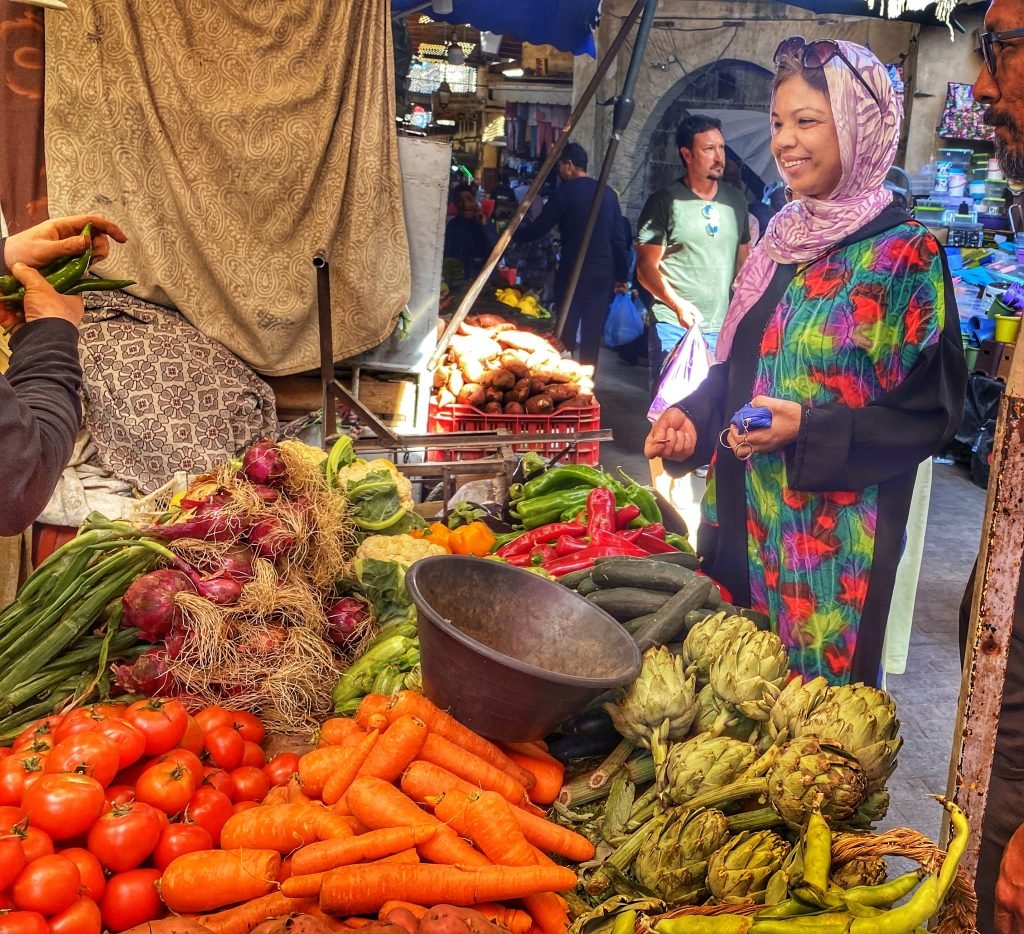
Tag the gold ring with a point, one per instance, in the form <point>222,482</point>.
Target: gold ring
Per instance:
<point>745,456</point>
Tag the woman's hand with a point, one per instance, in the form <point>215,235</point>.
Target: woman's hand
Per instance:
<point>672,436</point>
<point>43,301</point>
<point>785,427</point>
<point>61,237</point>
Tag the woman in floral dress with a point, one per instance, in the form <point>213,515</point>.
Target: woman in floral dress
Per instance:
<point>843,324</point>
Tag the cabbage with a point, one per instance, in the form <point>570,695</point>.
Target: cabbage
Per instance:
<point>383,582</point>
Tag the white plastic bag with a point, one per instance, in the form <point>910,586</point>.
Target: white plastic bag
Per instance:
<point>684,371</point>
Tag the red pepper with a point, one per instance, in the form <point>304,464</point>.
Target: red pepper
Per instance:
<point>630,535</point>
<point>625,515</point>
<point>611,540</point>
<point>567,545</point>
<point>543,554</point>
<point>657,530</point>
<point>519,561</point>
<point>600,511</point>
<point>545,533</point>
<point>580,560</point>
<point>652,543</point>
<point>726,596</point>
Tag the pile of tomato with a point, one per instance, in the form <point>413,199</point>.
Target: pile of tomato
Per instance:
<point>95,804</point>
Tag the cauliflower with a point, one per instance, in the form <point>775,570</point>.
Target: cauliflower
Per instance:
<point>402,549</point>
<point>355,472</point>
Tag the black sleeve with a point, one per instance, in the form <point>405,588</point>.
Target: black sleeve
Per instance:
<point>843,448</point>
<point>3,263</point>
<point>548,218</point>
<point>40,412</point>
<point>620,243</point>
<point>705,407</point>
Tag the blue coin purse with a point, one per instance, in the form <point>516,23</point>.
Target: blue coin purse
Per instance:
<point>751,418</point>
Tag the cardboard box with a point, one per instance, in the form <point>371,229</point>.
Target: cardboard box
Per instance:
<point>994,360</point>
<point>393,401</point>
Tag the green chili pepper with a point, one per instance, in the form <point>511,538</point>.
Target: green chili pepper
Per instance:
<point>817,851</point>
<point>560,478</point>
<point>74,268</point>
<point>515,492</point>
<point>679,541</point>
<point>99,285</point>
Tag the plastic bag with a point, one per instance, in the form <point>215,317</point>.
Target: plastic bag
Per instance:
<point>625,321</point>
<point>685,369</point>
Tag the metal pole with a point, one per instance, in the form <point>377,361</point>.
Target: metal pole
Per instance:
<point>624,105</point>
<point>995,598</point>
<point>326,330</point>
<point>499,248</point>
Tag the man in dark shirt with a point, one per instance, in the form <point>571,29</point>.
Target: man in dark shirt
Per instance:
<point>39,403</point>
<point>607,259</point>
<point>467,237</point>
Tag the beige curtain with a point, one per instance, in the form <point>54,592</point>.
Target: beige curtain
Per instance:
<point>233,140</point>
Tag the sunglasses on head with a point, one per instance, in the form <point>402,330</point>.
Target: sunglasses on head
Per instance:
<point>990,41</point>
<point>818,54</point>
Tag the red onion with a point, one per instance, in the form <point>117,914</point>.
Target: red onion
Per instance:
<point>271,536</point>
<point>209,522</point>
<point>263,464</point>
<point>264,640</point>
<point>239,562</point>
<point>149,603</point>
<point>267,494</point>
<point>148,674</point>
<point>346,619</point>
<point>220,591</point>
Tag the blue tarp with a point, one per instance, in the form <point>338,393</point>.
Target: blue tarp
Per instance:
<point>565,24</point>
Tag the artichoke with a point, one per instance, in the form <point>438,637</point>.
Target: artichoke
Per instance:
<point>739,871</point>
<point>861,719</point>
<point>720,718</point>
<point>796,703</point>
<point>750,672</point>
<point>659,706</point>
<point>872,809</point>
<point>673,860</point>
<point>809,773</point>
<point>705,763</point>
<point>706,640</point>
<point>862,870</point>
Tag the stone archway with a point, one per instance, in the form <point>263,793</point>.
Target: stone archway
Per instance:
<point>725,85</point>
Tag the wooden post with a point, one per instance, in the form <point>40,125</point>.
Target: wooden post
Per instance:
<point>992,613</point>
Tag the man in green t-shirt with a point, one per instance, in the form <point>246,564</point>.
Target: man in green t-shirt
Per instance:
<point>692,238</point>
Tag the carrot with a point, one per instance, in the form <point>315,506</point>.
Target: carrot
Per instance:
<point>354,823</point>
<point>281,827</point>
<point>378,804</point>
<point>305,886</point>
<point>517,921</point>
<point>450,809</point>
<point>371,705</point>
<point>423,779</point>
<point>287,793</point>
<point>546,769</point>
<point>362,889</point>
<point>553,838</point>
<point>439,751</point>
<point>316,768</point>
<point>338,783</point>
<point>400,743</point>
<point>417,911</point>
<point>243,918</point>
<point>377,722</point>
<point>355,923</point>
<point>333,731</point>
<point>494,828</point>
<point>332,826</point>
<point>318,857</point>
<point>443,724</point>
<point>405,856</point>
<point>209,879</point>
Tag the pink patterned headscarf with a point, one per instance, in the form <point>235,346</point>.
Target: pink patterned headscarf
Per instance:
<point>805,229</point>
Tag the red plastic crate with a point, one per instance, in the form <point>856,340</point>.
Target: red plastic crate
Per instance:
<point>469,418</point>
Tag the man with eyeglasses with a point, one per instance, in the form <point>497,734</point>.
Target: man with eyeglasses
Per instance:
<point>692,238</point>
<point>1000,88</point>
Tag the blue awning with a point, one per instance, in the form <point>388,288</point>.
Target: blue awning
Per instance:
<point>566,24</point>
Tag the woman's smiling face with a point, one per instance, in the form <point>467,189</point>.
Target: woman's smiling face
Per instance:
<point>804,139</point>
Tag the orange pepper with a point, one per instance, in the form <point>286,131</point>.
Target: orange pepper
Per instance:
<point>472,539</point>
<point>438,534</point>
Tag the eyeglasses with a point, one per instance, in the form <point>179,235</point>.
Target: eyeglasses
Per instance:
<point>989,41</point>
<point>709,211</point>
<point>818,54</point>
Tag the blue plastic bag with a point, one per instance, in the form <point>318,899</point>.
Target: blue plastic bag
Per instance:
<point>625,321</point>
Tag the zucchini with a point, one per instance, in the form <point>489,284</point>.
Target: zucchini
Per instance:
<point>644,574</point>
<point>628,602</point>
<point>670,619</point>
<point>683,559</point>
<point>632,625</point>
<point>762,620</point>
<point>696,616</point>
<point>573,578</point>
<point>586,586</point>
<point>714,600</point>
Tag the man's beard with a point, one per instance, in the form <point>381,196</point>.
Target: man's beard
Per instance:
<point>1010,154</point>
<point>715,174</point>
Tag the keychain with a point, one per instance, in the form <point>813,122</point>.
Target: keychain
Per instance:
<point>747,418</point>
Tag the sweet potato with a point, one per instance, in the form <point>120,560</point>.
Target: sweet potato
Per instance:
<point>559,392</point>
<point>455,381</point>
<point>503,379</point>
<point>514,362</point>
<point>572,403</point>
<point>514,408</point>
<point>537,385</point>
<point>445,397</point>
<point>472,394</point>
<point>539,405</point>
<point>520,392</point>
<point>493,321</point>
<point>472,368</point>
<point>169,926</point>
<point>292,924</point>
<point>522,340</point>
<point>491,394</point>
<point>449,919</point>
<point>493,408</point>
<point>479,346</point>
<point>441,375</point>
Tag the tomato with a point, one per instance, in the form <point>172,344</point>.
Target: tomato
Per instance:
<point>193,738</point>
<point>178,839</point>
<point>214,716</point>
<point>210,809</point>
<point>124,837</point>
<point>187,760</point>
<point>225,747</point>
<point>6,902</point>
<point>64,805</point>
<point>12,860</point>
<point>16,775</point>
<point>9,816</point>
<point>250,783</point>
<point>281,768</point>
<point>244,806</point>
<point>48,885</point>
<point>87,753</point>
<point>167,786</point>
<point>24,922</point>
<point>131,744</point>
<point>5,751</point>
<point>35,842</point>
<point>82,720</point>
<point>219,779</point>
<point>83,917</point>
<point>252,754</point>
<point>249,726</point>
<point>40,729</point>
<point>93,880</point>
<point>119,794</point>
<point>162,722</point>
<point>130,899</point>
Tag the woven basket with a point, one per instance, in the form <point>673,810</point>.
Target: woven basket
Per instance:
<point>957,915</point>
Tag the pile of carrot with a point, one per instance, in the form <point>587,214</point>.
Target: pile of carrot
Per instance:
<point>400,806</point>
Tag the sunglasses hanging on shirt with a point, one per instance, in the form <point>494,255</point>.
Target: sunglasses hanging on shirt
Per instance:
<point>709,212</point>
